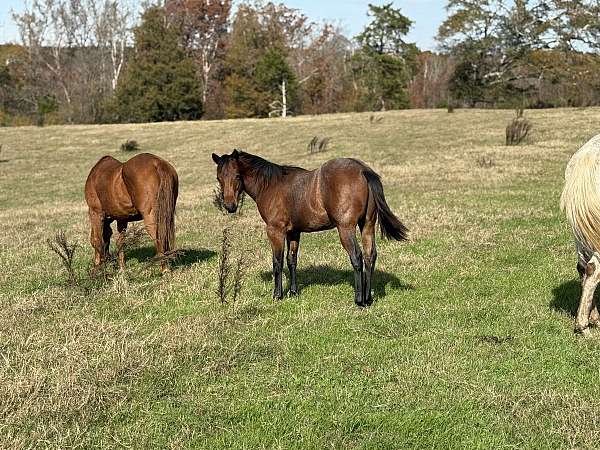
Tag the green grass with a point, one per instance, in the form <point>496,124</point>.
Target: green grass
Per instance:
<point>469,343</point>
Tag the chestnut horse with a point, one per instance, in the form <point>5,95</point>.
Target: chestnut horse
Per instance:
<point>143,188</point>
<point>342,194</point>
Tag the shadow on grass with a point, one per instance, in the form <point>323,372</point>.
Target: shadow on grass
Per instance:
<point>185,257</point>
<point>566,297</point>
<point>325,275</point>
<point>4,160</point>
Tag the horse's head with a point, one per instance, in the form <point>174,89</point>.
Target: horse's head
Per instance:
<point>230,179</point>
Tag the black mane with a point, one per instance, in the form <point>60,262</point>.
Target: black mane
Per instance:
<point>265,171</point>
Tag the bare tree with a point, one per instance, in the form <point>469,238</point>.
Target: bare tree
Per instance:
<point>77,49</point>
<point>204,26</point>
<point>113,21</point>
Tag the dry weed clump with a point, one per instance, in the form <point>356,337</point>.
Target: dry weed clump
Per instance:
<point>132,237</point>
<point>130,145</point>
<point>518,129</point>
<point>65,250</point>
<point>108,270</point>
<point>486,161</point>
<point>219,203</point>
<point>374,120</point>
<point>318,145</point>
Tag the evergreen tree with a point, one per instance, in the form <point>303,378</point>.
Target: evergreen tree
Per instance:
<point>257,64</point>
<point>385,63</point>
<point>160,82</point>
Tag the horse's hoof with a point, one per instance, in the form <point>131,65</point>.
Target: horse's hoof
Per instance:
<point>585,332</point>
<point>277,297</point>
<point>293,293</point>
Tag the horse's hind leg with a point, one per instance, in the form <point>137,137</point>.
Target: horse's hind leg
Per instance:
<point>369,256</point>
<point>348,239</point>
<point>589,283</point>
<point>97,236</point>
<point>293,241</point>
<point>152,230</point>
<point>121,228</point>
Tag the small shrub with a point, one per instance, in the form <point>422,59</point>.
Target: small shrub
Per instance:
<point>318,145</point>
<point>225,283</point>
<point>65,250</point>
<point>238,275</point>
<point>219,203</point>
<point>486,161</point>
<point>224,265</point>
<point>518,129</point>
<point>130,145</point>
<point>132,238</point>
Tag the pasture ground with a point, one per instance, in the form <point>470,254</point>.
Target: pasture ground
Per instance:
<point>470,343</point>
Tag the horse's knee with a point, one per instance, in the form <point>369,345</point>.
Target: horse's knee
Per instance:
<point>356,258</point>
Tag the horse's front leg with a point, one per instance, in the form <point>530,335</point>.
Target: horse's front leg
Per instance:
<point>121,228</point>
<point>594,315</point>
<point>293,242</point>
<point>277,238</point>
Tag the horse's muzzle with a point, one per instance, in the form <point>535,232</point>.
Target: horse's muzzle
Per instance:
<point>231,208</point>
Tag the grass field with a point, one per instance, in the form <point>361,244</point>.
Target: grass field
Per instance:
<point>470,343</point>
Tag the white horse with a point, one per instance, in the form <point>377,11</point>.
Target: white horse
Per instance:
<point>580,200</point>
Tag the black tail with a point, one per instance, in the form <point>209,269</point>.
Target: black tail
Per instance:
<point>391,227</point>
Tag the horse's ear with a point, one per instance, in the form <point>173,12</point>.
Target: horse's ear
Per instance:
<point>216,158</point>
<point>235,154</point>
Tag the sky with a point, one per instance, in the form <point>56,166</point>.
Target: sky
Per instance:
<point>351,15</point>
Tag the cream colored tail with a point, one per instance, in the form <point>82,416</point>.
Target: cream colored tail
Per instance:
<point>580,199</point>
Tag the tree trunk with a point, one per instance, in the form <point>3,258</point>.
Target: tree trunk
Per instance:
<point>283,100</point>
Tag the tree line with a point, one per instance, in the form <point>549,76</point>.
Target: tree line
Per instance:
<point>108,61</point>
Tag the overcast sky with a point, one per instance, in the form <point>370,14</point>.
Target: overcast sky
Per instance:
<point>350,14</point>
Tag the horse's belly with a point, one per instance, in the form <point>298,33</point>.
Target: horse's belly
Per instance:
<point>312,219</point>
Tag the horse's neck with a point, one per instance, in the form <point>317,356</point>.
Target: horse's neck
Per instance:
<point>253,186</point>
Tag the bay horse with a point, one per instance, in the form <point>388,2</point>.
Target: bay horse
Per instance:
<point>143,188</point>
<point>342,194</point>
<point>580,200</point>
